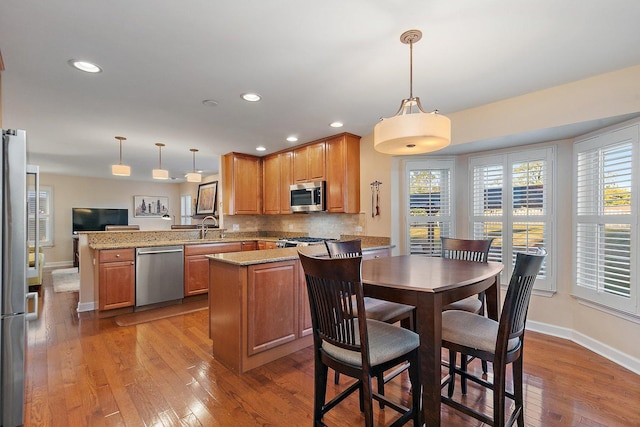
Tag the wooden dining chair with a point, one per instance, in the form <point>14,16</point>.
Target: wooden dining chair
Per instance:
<point>500,343</point>
<point>467,250</point>
<point>346,341</point>
<point>376,309</point>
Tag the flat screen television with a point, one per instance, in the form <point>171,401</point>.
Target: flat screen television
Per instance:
<point>95,219</point>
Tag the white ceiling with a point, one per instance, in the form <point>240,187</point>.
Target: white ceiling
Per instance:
<point>312,62</point>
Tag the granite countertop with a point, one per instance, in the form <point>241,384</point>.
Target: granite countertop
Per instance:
<point>280,254</point>
<point>154,243</point>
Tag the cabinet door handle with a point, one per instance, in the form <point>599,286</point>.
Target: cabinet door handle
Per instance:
<point>117,255</point>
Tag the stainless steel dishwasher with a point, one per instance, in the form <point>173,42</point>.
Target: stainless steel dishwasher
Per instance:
<point>159,274</point>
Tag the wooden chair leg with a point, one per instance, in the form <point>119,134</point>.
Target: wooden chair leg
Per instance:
<point>367,397</point>
<point>464,359</point>
<point>452,373</point>
<point>321,372</point>
<point>414,377</point>
<point>381,387</point>
<point>499,386</point>
<point>518,391</point>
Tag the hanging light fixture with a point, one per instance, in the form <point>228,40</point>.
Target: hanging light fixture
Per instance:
<point>160,173</point>
<point>412,130</point>
<point>194,176</point>
<point>120,169</point>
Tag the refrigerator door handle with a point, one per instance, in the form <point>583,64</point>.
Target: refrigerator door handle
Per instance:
<point>32,315</point>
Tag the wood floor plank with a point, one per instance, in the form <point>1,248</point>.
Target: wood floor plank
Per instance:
<point>86,371</point>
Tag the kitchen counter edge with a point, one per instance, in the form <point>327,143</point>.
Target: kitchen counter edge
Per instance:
<point>280,254</point>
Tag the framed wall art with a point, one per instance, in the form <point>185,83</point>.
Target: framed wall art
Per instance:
<point>150,206</point>
<point>207,198</point>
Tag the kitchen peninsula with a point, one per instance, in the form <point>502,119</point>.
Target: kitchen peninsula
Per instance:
<point>108,265</point>
<point>258,307</point>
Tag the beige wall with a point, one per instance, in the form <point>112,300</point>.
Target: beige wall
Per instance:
<point>561,314</point>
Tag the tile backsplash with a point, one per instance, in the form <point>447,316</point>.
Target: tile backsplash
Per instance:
<point>317,224</point>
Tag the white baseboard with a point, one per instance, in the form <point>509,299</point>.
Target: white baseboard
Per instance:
<point>608,352</point>
<point>86,306</point>
<point>58,264</point>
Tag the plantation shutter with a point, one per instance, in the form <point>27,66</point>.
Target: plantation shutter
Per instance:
<point>487,194</point>
<point>604,218</point>
<point>44,220</point>
<point>430,206</point>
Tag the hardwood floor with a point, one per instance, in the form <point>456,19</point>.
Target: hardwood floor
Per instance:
<point>84,371</point>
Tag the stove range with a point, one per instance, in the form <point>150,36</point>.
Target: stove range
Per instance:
<point>289,242</point>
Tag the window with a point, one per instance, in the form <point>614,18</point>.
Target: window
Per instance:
<point>45,219</point>
<point>605,219</point>
<point>185,209</point>
<point>511,202</point>
<point>429,205</point>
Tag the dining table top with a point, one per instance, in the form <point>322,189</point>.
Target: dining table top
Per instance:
<point>426,274</point>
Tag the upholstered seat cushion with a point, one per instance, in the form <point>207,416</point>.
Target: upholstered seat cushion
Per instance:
<point>383,311</point>
<point>471,304</point>
<point>386,342</point>
<point>471,330</point>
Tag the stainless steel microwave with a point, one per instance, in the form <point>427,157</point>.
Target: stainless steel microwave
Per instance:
<point>308,197</point>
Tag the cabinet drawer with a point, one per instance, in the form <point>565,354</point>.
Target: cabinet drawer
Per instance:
<point>112,255</point>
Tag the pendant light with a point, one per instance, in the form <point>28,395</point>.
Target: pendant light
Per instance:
<point>120,169</point>
<point>160,173</point>
<point>194,176</point>
<point>412,130</point>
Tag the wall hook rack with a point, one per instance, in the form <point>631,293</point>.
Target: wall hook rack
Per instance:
<point>375,198</point>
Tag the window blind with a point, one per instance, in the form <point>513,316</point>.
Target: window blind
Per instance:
<point>430,207</point>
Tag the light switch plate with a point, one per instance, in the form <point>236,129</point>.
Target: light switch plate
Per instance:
<point>236,227</point>
<point>358,229</point>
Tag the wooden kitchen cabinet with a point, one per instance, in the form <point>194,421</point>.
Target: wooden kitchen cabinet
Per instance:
<point>343,174</point>
<point>242,184</point>
<point>117,278</point>
<point>271,305</point>
<point>266,244</point>
<point>309,162</point>
<point>255,313</point>
<point>196,265</point>
<point>250,245</point>
<point>277,171</point>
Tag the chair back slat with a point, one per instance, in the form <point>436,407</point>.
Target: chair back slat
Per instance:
<point>334,286</point>
<point>344,249</point>
<point>465,249</point>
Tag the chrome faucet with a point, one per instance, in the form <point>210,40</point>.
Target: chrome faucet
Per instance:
<point>203,228</point>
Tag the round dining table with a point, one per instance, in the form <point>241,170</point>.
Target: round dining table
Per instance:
<point>429,284</point>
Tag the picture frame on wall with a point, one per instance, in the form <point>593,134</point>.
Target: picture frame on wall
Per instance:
<point>207,198</point>
<point>150,206</point>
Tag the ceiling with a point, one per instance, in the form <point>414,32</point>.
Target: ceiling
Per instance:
<point>312,62</point>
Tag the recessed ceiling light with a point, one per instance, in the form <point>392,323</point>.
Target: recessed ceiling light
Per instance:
<point>210,102</point>
<point>261,148</point>
<point>251,97</point>
<point>85,66</point>
<point>292,138</point>
<point>336,125</point>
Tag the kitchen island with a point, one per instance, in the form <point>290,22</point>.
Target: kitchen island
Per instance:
<point>258,307</point>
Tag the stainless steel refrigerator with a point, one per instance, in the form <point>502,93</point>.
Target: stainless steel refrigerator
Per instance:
<point>13,218</point>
